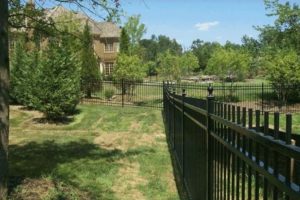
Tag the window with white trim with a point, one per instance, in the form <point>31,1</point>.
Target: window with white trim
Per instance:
<point>109,47</point>
<point>108,68</point>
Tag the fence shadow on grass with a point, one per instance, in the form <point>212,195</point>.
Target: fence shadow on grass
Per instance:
<point>35,160</point>
<point>179,182</point>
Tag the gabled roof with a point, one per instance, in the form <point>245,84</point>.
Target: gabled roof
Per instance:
<point>103,29</point>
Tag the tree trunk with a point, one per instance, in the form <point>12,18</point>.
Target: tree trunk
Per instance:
<point>4,98</point>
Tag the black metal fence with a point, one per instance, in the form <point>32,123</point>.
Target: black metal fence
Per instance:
<point>263,96</point>
<point>125,93</point>
<point>150,94</point>
<point>224,151</point>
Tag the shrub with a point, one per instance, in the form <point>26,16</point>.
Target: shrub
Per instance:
<point>109,93</point>
<point>58,84</point>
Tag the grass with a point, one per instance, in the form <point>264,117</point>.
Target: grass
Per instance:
<point>102,153</point>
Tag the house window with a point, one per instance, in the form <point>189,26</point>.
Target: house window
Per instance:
<point>108,68</point>
<point>117,47</point>
<point>109,47</point>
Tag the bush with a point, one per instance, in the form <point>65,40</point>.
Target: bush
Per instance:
<point>284,73</point>
<point>58,82</point>
<point>109,93</point>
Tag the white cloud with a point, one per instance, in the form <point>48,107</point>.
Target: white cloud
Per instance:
<point>219,38</point>
<point>206,25</point>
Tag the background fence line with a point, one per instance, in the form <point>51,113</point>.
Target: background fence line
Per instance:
<point>150,94</point>
<point>224,151</point>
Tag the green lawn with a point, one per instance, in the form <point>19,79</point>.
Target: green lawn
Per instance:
<point>102,153</point>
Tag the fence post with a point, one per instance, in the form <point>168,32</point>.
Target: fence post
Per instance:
<point>182,130</point>
<point>262,97</point>
<point>174,108</point>
<point>123,91</point>
<point>210,124</point>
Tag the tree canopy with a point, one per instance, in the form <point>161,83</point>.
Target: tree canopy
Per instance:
<point>229,64</point>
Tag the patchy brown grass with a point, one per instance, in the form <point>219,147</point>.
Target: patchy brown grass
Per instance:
<point>123,140</point>
<point>129,173</point>
<point>139,169</point>
<point>43,189</point>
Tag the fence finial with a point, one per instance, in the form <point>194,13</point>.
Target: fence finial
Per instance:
<point>210,90</point>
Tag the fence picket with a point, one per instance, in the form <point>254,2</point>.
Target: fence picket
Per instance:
<point>218,160</point>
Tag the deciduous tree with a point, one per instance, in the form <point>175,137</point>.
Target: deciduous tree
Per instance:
<point>229,64</point>
<point>128,70</point>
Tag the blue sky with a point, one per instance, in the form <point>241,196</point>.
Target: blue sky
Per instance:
<point>188,20</point>
<point>208,20</point>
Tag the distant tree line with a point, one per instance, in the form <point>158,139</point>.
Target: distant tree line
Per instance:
<point>275,54</point>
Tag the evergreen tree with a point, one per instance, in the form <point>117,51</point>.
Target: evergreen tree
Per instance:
<point>90,73</point>
<point>58,86</point>
<point>23,74</point>
<point>124,42</point>
<point>19,61</point>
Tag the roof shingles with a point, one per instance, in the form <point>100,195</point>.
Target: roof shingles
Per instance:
<point>103,29</point>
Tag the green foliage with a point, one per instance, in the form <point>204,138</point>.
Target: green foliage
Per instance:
<point>283,71</point>
<point>151,68</point>
<point>128,68</point>
<point>174,67</point>
<point>58,83</point>
<point>109,93</point>
<point>229,64</point>
<point>284,67</point>
<point>131,35</point>
<point>203,51</point>
<point>90,72</point>
<point>188,63</point>
<point>285,33</point>
<point>167,44</point>
<point>152,48</point>
<point>25,66</point>
<point>169,66</point>
<point>253,48</point>
<point>135,29</point>
<point>19,63</point>
<point>124,42</point>
<point>157,45</point>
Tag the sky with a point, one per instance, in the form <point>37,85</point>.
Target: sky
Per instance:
<point>208,20</point>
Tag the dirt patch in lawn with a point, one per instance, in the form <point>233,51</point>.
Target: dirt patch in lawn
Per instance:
<point>40,189</point>
<point>129,174</point>
<point>135,126</point>
<point>123,140</point>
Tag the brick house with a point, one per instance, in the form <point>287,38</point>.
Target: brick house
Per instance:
<point>106,36</point>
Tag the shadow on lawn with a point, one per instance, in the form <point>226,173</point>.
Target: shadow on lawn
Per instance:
<point>179,182</point>
<point>34,160</point>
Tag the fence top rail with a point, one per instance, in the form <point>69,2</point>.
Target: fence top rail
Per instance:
<point>192,107</point>
<point>266,140</point>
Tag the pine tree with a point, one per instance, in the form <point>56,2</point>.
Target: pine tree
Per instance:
<point>90,73</point>
<point>124,42</point>
<point>58,86</point>
<point>23,74</point>
<point>18,64</point>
